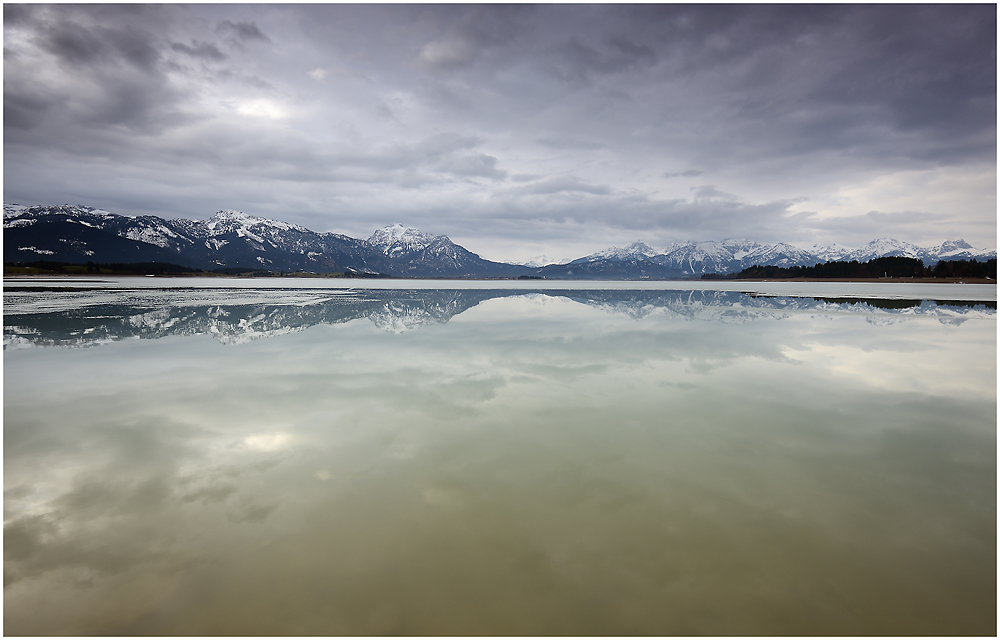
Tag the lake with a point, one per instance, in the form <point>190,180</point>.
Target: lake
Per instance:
<point>320,457</point>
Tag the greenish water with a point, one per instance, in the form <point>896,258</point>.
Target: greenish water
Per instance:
<point>586,462</point>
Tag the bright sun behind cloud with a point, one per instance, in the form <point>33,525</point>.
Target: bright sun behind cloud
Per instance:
<point>265,109</point>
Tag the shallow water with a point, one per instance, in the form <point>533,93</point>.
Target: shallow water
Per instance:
<point>621,461</point>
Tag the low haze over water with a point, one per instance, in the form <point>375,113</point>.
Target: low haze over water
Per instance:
<point>499,458</point>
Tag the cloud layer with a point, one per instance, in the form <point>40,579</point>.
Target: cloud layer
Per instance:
<point>516,130</point>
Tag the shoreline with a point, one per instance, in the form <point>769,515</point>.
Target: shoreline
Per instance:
<point>95,277</point>
<point>876,289</point>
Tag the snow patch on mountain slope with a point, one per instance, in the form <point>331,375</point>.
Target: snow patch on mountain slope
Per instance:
<point>159,235</point>
<point>781,255</point>
<point>13,210</point>
<point>243,232</point>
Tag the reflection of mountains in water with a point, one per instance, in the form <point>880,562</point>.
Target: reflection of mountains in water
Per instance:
<point>81,318</point>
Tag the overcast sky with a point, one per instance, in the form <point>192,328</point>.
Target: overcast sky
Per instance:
<point>515,130</point>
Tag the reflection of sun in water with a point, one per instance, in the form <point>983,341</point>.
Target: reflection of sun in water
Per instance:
<point>267,441</point>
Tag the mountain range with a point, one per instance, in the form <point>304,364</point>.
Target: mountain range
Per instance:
<point>231,239</point>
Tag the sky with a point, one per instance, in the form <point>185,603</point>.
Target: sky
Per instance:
<point>516,130</point>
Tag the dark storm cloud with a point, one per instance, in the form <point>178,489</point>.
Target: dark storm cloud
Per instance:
<point>615,54</point>
<point>23,110</point>
<point>471,32</point>
<point>198,49</point>
<point>930,66</point>
<point>79,46</point>
<point>114,77</point>
<point>813,76</point>
<point>242,31</point>
<point>134,101</point>
<point>926,68</point>
<point>782,79</point>
<point>15,14</point>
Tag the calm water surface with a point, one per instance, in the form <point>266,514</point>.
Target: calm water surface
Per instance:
<point>300,461</point>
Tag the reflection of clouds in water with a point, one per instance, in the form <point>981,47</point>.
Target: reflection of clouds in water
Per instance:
<point>531,436</point>
<point>247,512</point>
<point>903,372</point>
<point>120,497</point>
<point>268,441</point>
<point>918,356</point>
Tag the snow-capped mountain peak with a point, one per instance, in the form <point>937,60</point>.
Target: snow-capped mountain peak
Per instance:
<point>961,250</point>
<point>829,252</point>
<point>641,247</point>
<point>891,244</point>
<point>395,239</point>
<point>233,214</point>
<point>231,220</point>
<point>542,261</point>
<point>638,250</point>
<point>951,246</point>
<point>886,247</point>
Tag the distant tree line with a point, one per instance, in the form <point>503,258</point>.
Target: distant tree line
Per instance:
<point>885,267</point>
<point>135,268</point>
<point>965,269</point>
